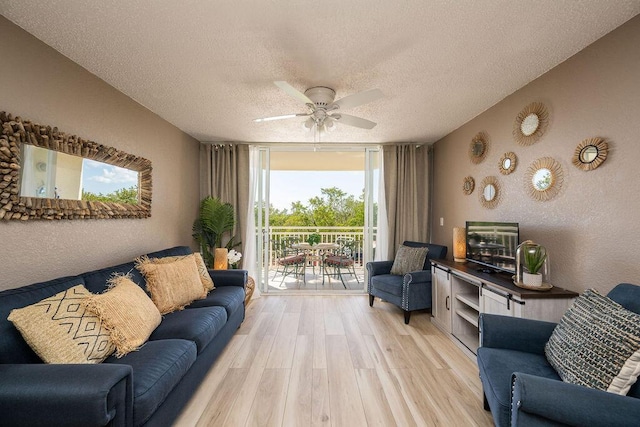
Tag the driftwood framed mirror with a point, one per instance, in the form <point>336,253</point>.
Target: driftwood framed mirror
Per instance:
<point>44,174</point>
<point>590,154</point>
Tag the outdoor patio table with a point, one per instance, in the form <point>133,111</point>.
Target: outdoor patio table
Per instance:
<point>315,253</point>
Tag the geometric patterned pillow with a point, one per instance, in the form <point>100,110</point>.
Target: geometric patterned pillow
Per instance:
<point>408,259</point>
<point>597,344</point>
<point>60,330</point>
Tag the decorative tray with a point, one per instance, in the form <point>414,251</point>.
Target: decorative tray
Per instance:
<point>541,288</point>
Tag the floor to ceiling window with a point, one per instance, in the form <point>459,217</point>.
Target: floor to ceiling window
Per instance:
<point>316,214</point>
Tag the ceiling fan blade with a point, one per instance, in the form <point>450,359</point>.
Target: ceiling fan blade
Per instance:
<point>292,91</point>
<point>286,116</point>
<point>349,120</point>
<point>351,101</point>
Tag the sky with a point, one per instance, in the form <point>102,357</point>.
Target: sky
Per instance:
<point>299,186</point>
<point>102,178</point>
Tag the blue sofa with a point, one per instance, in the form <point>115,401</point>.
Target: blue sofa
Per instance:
<point>146,387</point>
<point>411,291</point>
<point>522,389</point>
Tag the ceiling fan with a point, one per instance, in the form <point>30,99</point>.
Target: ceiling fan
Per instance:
<point>324,112</point>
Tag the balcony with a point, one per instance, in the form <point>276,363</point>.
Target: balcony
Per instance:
<point>313,271</point>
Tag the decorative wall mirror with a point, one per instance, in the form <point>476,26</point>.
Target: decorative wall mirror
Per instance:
<point>490,192</point>
<point>44,175</point>
<point>508,163</point>
<point>530,124</point>
<point>468,185</point>
<point>478,147</point>
<point>590,153</point>
<point>544,179</point>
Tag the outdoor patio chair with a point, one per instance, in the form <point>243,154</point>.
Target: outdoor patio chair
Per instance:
<point>289,260</point>
<point>342,259</point>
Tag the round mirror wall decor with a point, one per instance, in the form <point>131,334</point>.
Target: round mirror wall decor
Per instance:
<point>490,192</point>
<point>468,185</point>
<point>543,179</point>
<point>530,124</point>
<point>590,154</point>
<point>478,147</point>
<point>508,163</point>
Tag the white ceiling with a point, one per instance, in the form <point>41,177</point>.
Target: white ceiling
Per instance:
<point>208,66</point>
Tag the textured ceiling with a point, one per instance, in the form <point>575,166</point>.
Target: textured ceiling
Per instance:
<point>208,66</point>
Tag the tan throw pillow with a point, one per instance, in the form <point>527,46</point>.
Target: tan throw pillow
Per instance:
<point>173,284</point>
<point>205,278</point>
<point>127,313</point>
<point>60,330</point>
<point>408,259</point>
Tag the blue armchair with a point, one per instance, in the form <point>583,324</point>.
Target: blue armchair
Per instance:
<point>409,292</point>
<point>522,389</point>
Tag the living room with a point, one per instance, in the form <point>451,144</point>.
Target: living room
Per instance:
<point>589,227</point>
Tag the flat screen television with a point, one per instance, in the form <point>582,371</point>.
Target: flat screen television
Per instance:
<point>492,245</point>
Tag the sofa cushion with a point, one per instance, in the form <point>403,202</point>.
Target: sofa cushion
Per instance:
<point>597,344</point>
<point>389,283</point>
<point>172,285</point>
<point>496,368</point>
<point>199,325</point>
<point>229,297</point>
<point>13,348</point>
<point>127,313</point>
<point>205,279</point>
<point>157,367</point>
<point>61,330</point>
<point>409,259</point>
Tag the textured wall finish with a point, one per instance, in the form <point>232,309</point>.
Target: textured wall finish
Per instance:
<point>44,86</point>
<point>591,227</point>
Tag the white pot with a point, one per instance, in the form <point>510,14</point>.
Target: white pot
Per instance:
<point>532,279</point>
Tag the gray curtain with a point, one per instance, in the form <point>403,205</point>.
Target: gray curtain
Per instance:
<point>406,184</point>
<point>224,173</point>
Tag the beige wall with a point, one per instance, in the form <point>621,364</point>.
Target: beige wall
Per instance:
<point>39,84</point>
<point>592,227</point>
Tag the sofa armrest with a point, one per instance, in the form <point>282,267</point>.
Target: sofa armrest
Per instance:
<point>229,277</point>
<point>421,276</point>
<point>543,401</point>
<point>66,395</point>
<point>514,333</point>
<point>376,268</point>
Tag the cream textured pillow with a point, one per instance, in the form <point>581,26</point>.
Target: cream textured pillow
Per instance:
<point>206,280</point>
<point>174,284</point>
<point>596,344</point>
<point>408,259</point>
<point>60,330</point>
<point>127,313</point>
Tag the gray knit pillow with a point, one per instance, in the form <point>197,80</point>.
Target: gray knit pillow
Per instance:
<point>597,344</point>
<point>408,259</point>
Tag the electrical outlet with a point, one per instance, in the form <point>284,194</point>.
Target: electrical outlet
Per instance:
<point>441,222</point>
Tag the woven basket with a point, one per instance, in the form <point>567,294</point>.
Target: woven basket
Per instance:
<point>251,284</point>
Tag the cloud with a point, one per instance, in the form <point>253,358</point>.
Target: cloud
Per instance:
<point>115,175</point>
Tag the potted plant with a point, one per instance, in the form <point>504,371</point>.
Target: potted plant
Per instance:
<point>215,220</point>
<point>533,260</point>
<point>314,239</point>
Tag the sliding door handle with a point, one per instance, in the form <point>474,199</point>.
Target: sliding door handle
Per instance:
<point>446,302</point>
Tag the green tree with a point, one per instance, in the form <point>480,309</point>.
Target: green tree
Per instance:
<point>123,195</point>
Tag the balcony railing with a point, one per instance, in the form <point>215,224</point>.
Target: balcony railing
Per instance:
<point>327,235</point>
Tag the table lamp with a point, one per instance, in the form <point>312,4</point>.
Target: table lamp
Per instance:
<point>459,244</point>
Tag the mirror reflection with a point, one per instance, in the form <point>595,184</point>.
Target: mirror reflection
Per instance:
<point>530,124</point>
<point>588,154</point>
<point>542,179</point>
<point>506,163</point>
<point>477,148</point>
<point>55,175</point>
<point>489,192</point>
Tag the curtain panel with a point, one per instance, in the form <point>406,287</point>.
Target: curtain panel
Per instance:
<point>224,173</point>
<point>406,185</point>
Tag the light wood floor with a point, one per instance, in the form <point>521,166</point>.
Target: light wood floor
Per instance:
<point>334,361</point>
